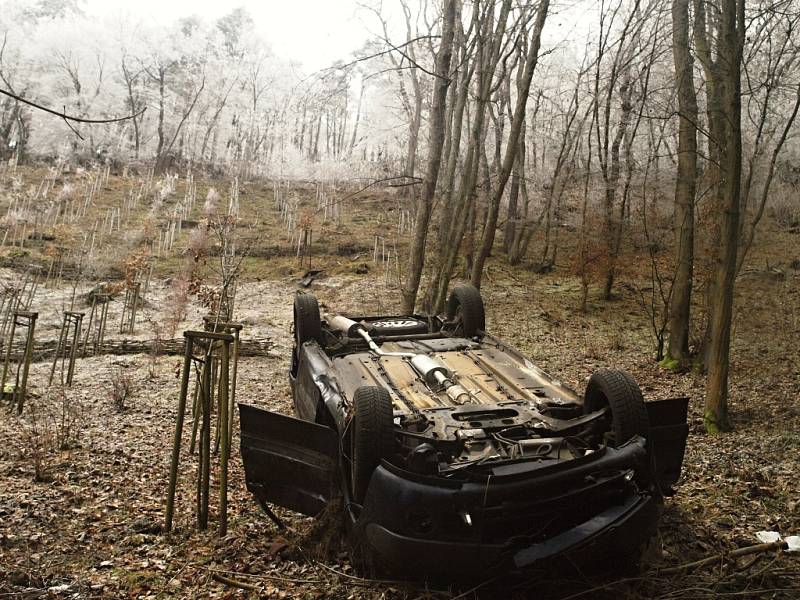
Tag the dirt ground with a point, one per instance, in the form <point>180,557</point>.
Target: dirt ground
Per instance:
<point>91,525</point>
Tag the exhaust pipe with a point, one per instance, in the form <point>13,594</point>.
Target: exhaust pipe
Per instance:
<point>352,329</point>
<point>343,324</point>
<point>431,370</point>
<point>434,373</point>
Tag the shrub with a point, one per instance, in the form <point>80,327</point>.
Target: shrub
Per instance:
<point>122,388</point>
<point>51,424</point>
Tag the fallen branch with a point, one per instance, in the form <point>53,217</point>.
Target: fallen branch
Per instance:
<point>267,576</point>
<point>598,588</point>
<point>746,551</point>
<point>355,580</point>
<point>242,585</point>
<point>175,346</point>
<point>360,580</point>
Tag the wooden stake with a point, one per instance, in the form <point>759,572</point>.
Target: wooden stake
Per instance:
<point>225,449</point>
<point>176,443</point>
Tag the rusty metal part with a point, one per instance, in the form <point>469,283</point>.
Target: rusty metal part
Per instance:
<point>432,371</point>
<point>378,350</point>
<point>346,326</point>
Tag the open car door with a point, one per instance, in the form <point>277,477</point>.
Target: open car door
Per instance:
<point>289,462</point>
<point>668,433</point>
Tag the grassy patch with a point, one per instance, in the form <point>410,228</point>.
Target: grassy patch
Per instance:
<point>670,364</point>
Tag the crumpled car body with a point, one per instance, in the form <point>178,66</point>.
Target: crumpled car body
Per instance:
<point>491,464</point>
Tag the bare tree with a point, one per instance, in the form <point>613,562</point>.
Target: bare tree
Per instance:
<point>490,31</point>
<point>771,63</point>
<point>437,126</point>
<point>13,117</point>
<point>685,185</point>
<point>512,147</point>
<point>723,72</point>
<point>404,61</point>
<point>608,147</point>
<point>131,77</point>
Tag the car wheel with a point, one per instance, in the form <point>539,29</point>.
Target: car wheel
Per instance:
<point>307,324</point>
<point>618,391</point>
<point>398,326</point>
<point>371,435</point>
<point>465,309</point>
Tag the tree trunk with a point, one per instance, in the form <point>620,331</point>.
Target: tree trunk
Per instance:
<point>458,52</point>
<point>413,138</point>
<point>437,116</point>
<point>513,145</point>
<point>513,196</point>
<point>161,108</point>
<point>685,186</point>
<point>456,209</point>
<point>611,224</point>
<point>354,137</point>
<point>452,158</point>
<point>161,159</point>
<point>728,72</point>
<point>315,152</point>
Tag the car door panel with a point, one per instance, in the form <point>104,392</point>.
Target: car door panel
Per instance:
<point>288,461</point>
<point>668,433</point>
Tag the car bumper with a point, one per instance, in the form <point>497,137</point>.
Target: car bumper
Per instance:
<point>613,532</point>
<point>415,528</point>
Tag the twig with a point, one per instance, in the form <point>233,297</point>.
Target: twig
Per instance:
<point>261,576</point>
<point>714,594</point>
<point>414,181</point>
<point>600,587</point>
<point>65,116</point>
<point>762,570</point>
<point>362,581</point>
<point>746,551</point>
<point>372,582</point>
<point>342,574</point>
<point>242,585</point>
<point>75,131</point>
<point>476,588</point>
<point>392,48</point>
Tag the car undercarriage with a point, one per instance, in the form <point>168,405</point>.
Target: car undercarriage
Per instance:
<point>442,438</point>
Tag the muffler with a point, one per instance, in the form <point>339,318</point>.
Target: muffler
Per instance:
<point>433,373</point>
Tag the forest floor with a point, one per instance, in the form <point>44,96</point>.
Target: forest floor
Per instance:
<point>90,524</point>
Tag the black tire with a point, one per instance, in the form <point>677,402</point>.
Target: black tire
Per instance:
<point>398,326</point>
<point>465,308</point>
<point>371,435</point>
<point>619,391</point>
<point>307,324</point>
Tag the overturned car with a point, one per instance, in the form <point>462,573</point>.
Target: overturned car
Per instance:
<point>452,454</point>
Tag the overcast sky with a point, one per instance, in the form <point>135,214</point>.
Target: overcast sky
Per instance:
<point>318,32</point>
<point>313,32</point>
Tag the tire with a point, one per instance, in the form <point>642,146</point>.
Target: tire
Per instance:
<point>465,306</point>
<point>371,435</point>
<point>618,390</point>
<point>399,326</point>
<point>307,324</point>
